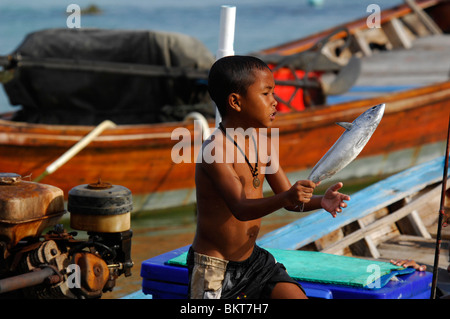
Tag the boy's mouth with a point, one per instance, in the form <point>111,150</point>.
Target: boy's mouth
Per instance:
<point>272,116</point>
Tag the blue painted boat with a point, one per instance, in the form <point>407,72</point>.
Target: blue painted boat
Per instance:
<point>363,203</point>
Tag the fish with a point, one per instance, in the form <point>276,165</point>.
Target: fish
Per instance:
<point>349,144</point>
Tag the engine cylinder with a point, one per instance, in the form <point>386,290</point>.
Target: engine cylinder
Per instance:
<point>100,207</point>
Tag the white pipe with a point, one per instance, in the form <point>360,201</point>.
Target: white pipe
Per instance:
<point>63,159</point>
<point>196,116</point>
<point>226,35</point>
<point>226,38</point>
<point>80,145</point>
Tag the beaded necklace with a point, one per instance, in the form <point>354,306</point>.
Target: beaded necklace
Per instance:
<point>253,170</point>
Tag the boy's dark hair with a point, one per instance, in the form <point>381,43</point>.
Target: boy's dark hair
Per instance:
<point>232,74</point>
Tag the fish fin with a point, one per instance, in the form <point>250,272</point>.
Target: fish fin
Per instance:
<point>346,125</point>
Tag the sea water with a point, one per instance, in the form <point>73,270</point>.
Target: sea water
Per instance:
<point>259,23</point>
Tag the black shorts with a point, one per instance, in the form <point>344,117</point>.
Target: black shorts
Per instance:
<point>253,278</point>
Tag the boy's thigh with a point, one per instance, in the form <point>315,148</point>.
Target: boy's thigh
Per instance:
<point>287,290</point>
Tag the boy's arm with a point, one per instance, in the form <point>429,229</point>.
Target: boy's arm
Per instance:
<point>332,201</point>
<point>230,187</point>
<point>279,183</point>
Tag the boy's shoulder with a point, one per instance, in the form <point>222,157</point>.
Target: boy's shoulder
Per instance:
<point>213,149</point>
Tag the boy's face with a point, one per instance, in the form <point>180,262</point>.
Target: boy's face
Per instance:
<point>258,105</point>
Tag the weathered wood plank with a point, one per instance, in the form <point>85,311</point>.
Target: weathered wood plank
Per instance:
<point>362,43</point>
<point>389,219</point>
<point>424,63</point>
<point>414,247</point>
<point>430,24</point>
<point>397,34</point>
<point>329,239</point>
<point>369,242</point>
<point>413,22</point>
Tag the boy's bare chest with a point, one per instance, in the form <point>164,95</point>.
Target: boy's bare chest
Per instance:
<point>251,182</point>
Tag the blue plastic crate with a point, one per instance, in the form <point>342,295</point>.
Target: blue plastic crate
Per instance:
<point>165,281</point>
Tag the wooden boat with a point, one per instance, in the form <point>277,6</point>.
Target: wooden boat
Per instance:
<point>138,156</point>
<point>415,191</point>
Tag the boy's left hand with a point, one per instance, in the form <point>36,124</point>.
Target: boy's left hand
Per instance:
<point>409,263</point>
<point>333,201</point>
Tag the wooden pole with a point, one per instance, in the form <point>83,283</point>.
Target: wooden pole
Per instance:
<point>441,217</point>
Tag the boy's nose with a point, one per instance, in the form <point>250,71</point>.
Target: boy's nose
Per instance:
<point>275,102</point>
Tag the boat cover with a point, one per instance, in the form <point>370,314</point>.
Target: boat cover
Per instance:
<point>62,96</point>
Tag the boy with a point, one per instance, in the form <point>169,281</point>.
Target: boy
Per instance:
<point>224,261</point>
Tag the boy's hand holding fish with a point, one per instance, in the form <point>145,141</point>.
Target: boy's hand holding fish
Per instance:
<point>301,193</point>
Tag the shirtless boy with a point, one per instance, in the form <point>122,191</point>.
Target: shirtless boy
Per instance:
<point>224,261</point>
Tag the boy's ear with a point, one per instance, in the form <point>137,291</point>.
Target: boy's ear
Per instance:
<point>234,101</point>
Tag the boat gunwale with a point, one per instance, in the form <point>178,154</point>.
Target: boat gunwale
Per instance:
<point>310,118</point>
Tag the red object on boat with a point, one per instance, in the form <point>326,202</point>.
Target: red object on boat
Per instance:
<point>285,92</point>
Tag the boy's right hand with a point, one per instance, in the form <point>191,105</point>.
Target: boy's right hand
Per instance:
<point>301,192</point>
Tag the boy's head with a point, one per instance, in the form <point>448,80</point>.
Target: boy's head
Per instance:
<point>232,74</point>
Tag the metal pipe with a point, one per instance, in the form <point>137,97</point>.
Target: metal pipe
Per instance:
<point>441,217</point>
<point>196,116</point>
<point>29,279</point>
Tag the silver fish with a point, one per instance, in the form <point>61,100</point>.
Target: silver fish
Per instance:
<point>349,144</point>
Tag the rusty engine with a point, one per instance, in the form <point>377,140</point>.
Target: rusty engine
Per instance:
<point>40,259</point>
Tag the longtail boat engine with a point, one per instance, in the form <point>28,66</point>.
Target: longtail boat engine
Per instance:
<point>40,259</point>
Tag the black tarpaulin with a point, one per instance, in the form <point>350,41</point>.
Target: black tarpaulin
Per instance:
<point>62,96</point>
